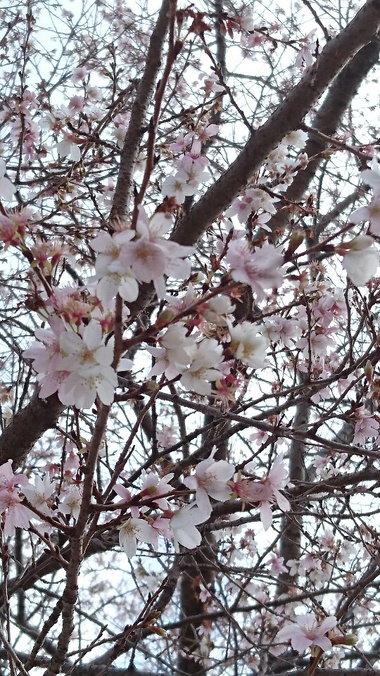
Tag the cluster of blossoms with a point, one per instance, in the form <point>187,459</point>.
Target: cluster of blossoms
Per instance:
<point>75,364</point>
<point>144,255</point>
<point>160,512</point>
<point>191,167</point>
<point>18,114</point>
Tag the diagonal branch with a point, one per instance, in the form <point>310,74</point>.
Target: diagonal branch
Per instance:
<point>287,117</point>
<point>139,109</point>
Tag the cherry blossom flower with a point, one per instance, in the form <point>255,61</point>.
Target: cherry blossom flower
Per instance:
<point>40,493</point>
<point>76,365</point>
<point>111,272</point>
<point>13,227</point>
<point>174,352</point>
<point>361,260</point>
<point>206,357</point>
<point>181,142</point>
<point>265,491</point>
<point>251,200</point>
<point>79,74</point>
<point>282,330</point>
<point>212,84</point>
<point>307,632</point>
<point>215,310</point>
<point>182,524</point>
<point>366,427</point>
<point>154,486</point>
<point>247,345</point>
<point>136,529</point>
<point>121,123</point>
<point>276,565</point>
<point>70,501</point>
<point>174,186</point>
<point>68,148</point>
<point>295,138</point>
<point>210,480</point>
<point>151,256</point>
<point>14,513</point>
<point>166,437</point>
<point>88,360</point>
<point>8,480</point>
<point>259,268</point>
<point>191,170</point>
<point>370,212</point>
<point>71,304</point>
<point>305,55</point>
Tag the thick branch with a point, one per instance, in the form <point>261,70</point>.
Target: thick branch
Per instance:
<point>27,427</point>
<point>139,109</point>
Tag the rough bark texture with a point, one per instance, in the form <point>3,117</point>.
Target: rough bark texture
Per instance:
<point>27,427</point>
<point>140,106</point>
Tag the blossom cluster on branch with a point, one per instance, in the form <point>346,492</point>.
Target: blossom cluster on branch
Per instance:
<point>190,385</point>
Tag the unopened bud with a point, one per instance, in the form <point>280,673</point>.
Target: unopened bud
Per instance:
<point>165,317</point>
<point>368,371</point>
<point>347,639</point>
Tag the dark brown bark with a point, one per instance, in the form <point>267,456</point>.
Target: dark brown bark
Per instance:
<point>27,427</point>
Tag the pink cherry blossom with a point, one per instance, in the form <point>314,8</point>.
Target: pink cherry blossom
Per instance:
<point>13,227</point>
<point>14,513</point>
<point>155,487</point>
<point>251,200</point>
<point>151,256</point>
<point>282,330</point>
<point>8,480</point>
<point>265,491</point>
<point>366,426</point>
<point>307,632</point>
<point>259,268</point>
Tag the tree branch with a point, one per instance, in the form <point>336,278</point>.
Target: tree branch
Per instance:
<point>287,117</point>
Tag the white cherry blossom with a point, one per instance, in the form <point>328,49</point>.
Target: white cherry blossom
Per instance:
<point>371,212</point>
<point>210,480</point>
<point>248,345</point>
<point>39,493</point>
<point>205,364</point>
<point>361,260</point>
<point>135,529</point>
<point>182,524</point>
